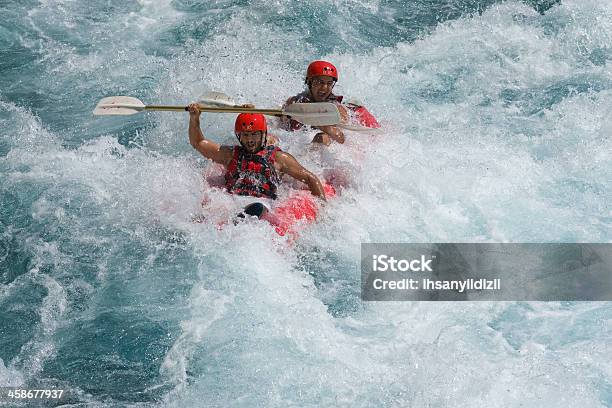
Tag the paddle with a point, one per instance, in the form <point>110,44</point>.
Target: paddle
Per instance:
<point>313,114</point>
<point>214,98</point>
<point>359,128</point>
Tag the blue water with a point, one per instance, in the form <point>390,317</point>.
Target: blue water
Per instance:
<point>497,124</point>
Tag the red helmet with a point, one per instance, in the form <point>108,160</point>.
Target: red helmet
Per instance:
<point>319,68</point>
<point>250,122</point>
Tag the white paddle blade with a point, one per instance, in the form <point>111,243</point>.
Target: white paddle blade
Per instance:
<point>119,105</point>
<point>359,128</point>
<point>216,99</point>
<point>314,114</point>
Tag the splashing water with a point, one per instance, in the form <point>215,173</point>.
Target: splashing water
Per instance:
<point>496,123</point>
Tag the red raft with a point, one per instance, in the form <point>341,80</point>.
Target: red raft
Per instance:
<point>362,116</point>
<point>299,208</point>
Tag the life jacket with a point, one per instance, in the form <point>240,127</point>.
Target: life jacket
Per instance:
<point>253,174</point>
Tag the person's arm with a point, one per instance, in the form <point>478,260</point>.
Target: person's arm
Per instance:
<point>288,165</point>
<point>334,132</point>
<point>207,148</point>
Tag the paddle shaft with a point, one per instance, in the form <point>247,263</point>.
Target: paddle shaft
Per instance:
<point>236,109</point>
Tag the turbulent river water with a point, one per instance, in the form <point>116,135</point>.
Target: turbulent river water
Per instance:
<point>496,118</point>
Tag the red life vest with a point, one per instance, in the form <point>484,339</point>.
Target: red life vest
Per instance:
<point>253,174</point>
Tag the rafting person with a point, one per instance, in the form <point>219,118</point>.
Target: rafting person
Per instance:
<point>321,77</point>
<point>254,168</point>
